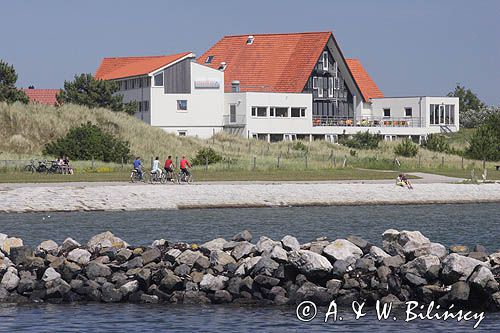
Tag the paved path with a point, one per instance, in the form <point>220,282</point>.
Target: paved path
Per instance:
<point>123,196</point>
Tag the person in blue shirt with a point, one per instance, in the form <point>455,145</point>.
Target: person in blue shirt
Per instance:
<point>138,166</point>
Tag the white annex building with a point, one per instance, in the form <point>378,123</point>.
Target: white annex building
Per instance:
<point>272,87</point>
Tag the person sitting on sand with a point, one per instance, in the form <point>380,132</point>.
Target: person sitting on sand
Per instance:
<point>399,180</point>
<point>406,182</point>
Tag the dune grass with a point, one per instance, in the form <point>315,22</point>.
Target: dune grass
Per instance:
<point>25,129</point>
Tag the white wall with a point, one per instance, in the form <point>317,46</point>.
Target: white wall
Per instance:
<point>443,100</point>
<point>139,95</point>
<point>204,106</point>
<point>397,106</point>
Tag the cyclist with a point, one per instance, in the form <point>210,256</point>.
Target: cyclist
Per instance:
<point>169,167</point>
<point>184,165</point>
<point>138,166</point>
<point>156,170</point>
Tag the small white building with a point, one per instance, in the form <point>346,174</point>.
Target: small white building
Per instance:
<point>273,87</point>
<point>172,92</point>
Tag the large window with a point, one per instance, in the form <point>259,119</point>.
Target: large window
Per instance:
<point>232,113</point>
<point>325,60</point>
<point>158,80</point>
<point>259,111</point>
<point>330,87</point>
<point>442,114</point>
<point>297,112</point>
<point>278,112</point>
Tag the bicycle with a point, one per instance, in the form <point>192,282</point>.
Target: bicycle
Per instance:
<point>136,177</point>
<point>156,177</point>
<point>182,177</point>
<point>30,167</point>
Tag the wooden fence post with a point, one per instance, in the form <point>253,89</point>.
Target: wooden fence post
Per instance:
<point>254,162</point>
<point>206,163</point>
<point>306,160</point>
<point>462,162</point>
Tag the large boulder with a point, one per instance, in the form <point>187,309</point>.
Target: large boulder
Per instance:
<point>265,244</point>
<point>409,243</point>
<point>106,239</point>
<point>129,287</point>
<point>213,283</point>
<point>48,246</point>
<point>243,249</point>
<point>69,244</point>
<point>50,274</point>
<point>310,263</point>
<point>219,257</point>
<point>215,244</point>
<point>279,254</point>
<point>188,257</point>
<point>484,279</point>
<point>457,267</point>
<point>80,256</point>
<point>151,255</point>
<point>20,254</point>
<point>421,266</point>
<point>244,235</point>
<point>265,266</point>
<point>8,243</point>
<point>342,249</point>
<point>290,243</point>
<point>95,269</point>
<point>10,279</point>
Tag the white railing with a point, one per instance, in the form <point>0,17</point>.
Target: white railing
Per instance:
<point>234,120</point>
<point>366,121</point>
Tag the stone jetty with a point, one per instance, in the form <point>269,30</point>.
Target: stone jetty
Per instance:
<point>408,267</point>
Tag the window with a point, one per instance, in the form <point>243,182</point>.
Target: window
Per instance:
<point>408,112</point>
<point>278,112</point>
<point>209,59</point>
<point>146,106</point>
<point>315,82</point>
<point>387,112</point>
<point>330,87</point>
<point>297,112</point>
<point>441,114</point>
<point>182,105</point>
<point>320,87</point>
<point>325,60</point>
<point>147,81</point>
<point>222,66</point>
<point>232,113</point>
<point>259,111</point>
<point>139,106</point>
<point>182,132</point>
<point>250,40</point>
<point>132,84</point>
<point>140,82</point>
<point>335,69</point>
<point>336,83</point>
<point>125,85</point>
<point>158,80</point>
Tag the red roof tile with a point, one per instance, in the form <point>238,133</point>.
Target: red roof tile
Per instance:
<point>273,62</point>
<point>365,83</point>
<point>116,68</point>
<point>42,96</point>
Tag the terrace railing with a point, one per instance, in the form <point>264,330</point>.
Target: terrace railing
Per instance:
<point>238,120</point>
<point>366,121</point>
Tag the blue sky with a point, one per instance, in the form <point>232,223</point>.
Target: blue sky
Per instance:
<point>408,47</point>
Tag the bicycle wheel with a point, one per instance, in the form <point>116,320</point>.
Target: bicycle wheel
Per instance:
<point>163,178</point>
<point>29,168</point>
<point>190,179</point>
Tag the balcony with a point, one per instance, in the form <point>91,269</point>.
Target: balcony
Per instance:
<point>366,121</point>
<point>238,120</point>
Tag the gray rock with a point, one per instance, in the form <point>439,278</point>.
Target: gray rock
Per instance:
<point>404,242</point>
<point>266,281</point>
<point>69,244</point>
<point>394,261</point>
<point>151,255</point>
<point>457,267</point>
<point>213,283</point>
<point>219,257</point>
<point>95,269</point>
<point>80,256</point>
<point>150,299</point>
<point>159,243</point>
<point>265,244</point>
<point>342,249</point>
<point>182,270</point>
<point>290,243</point>
<point>265,266</point>
<point>383,273</point>
<point>310,263</point>
<point>311,292</point>
<point>136,262</point>
<point>229,246</point>
<point>421,266</point>
<point>480,248</point>
<point>106,239</point>
<point>318,246</point>
<point>246,265</point>
<point>360,242</point>
<point>48,246</point>
<point>10,280</point>
<point>481,277</point>
<point>277,291</point>
<point>242,250</point>
<point>460,292</point>
<point>438,250</point>
<point>50,274</point>
<point>19,254</point>
<point>365,265</point>
<point>196,297</point>
<point>460,249</point>
<point>378,254</point>
<point>57,288</point>
<point>188,257</point>
<point>129,287</point>
<point>222,296</point>
<point>215,244</point>
<point>415,280</point>
<point>244,235</point>
<point>110,294</point>
<point>481,256</point>
<point>9,243</point>
<point>279,254</point>
<point>495,259</point>
<point>202,263</point>
<point>124,255</point>
<point>171,282</point>
<point>333,286</point>
<point>390,299</point>
<point>341,267</point>
<point>172,255</point>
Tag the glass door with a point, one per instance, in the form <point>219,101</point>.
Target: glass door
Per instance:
<point>442,119</point>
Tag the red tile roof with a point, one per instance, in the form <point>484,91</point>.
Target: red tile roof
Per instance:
<point>116,68</point>
<point>365,83</point>
<point>42,96</point>
<point>273,62</point>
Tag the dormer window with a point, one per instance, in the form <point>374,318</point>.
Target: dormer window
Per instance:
<point>325,60</point>
<point>209,59</point>
<point>250,40</point>
<point>222,66</point>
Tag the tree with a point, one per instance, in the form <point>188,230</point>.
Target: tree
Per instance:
<point>88,142</point>
<point>406,148</point>
<point>485,142</point>
<point>362,140</point>
<point>86,90</point>
<point>8,91</point>
<point>468,99</point>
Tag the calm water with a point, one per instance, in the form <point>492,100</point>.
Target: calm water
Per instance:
<point>448,224</point>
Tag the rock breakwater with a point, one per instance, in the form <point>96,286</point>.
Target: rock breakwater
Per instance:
<point>283,272</point>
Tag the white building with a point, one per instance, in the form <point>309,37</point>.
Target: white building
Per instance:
<point>273,87</point>
<point>172,92</point>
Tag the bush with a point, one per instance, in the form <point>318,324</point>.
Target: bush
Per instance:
<point>436,142</point>
<point>299,145</point>
<point>406,148</point>
<point>206,153</point>
<point>362,140</point>
<point>485,142</point>
<point>88,142</point>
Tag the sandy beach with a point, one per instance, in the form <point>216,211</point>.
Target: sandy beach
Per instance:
<point>126,196</point>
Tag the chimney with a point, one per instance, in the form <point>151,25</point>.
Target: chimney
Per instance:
<point>235,86</point>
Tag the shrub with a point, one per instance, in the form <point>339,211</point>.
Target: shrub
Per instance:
<point>88,142</point>
<point>299,145</point>
<point>206,153</point>
<point>406,148</point>
<point>436,142</point>
<point>485,142</point>
<point>362,140</point>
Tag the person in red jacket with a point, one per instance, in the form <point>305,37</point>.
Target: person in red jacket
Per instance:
<point>169,170</point>
<point>184,165</point>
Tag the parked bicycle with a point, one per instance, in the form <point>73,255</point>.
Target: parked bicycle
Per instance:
<point>54,168</point>
<point>41,168</point>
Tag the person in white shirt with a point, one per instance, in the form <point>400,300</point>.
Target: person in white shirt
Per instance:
<point>156,167</point>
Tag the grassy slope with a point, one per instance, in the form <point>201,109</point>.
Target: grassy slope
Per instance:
<point>25,129</point>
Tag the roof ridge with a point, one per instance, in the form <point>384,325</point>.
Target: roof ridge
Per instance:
<point>281,33</point>
<point>154,56</point>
